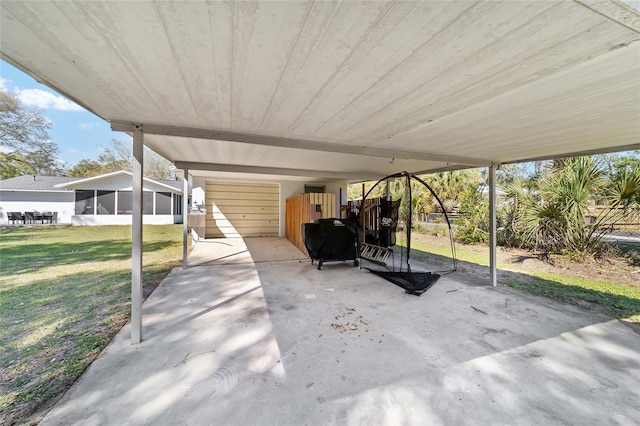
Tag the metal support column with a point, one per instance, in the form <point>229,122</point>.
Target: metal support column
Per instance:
<point>493,273</point>
<point>185,218</point>
<point>136,237</point>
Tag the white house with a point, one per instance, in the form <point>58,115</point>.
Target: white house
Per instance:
<point>98,200</point>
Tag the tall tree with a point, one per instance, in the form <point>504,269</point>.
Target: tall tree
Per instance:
<point>452,186</point>
<point>87,168</point>
<point>118,156</point>
<point>24,140</point>
<point>44,163</point>
<point>12,165</point>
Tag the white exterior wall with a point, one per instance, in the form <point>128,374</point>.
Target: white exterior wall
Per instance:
<point>22,201</point>
<point>121,183</point>
<point>123,219</point>
<point>199,185</point>
<point>63,201</point>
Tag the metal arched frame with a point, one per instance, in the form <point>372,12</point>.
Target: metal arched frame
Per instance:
<point>408,176</point>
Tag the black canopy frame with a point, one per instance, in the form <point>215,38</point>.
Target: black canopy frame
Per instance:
<point>413,282</point>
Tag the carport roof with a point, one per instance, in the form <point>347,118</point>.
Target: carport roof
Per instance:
<point>352,90</point>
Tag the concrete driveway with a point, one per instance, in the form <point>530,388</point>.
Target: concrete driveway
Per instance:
<point>270,341</point>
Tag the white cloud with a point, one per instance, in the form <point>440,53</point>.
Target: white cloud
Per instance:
<point>46,100</point>
<point>89,126</point>
<point>3,84</point>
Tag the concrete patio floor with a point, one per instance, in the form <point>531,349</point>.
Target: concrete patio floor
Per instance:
<point>246,337</point>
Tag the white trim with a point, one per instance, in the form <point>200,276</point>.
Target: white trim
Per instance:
<point>185,219</point>
<point>136,237</point>
<point>276,141</point>
<point>493,268</point>
<point>57,191</point>
<point>108,175</point>
<point>235,168</point>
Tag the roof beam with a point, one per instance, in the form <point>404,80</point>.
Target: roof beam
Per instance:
<point>275,141</point>
<point>608,150</point>
<point>235,168</point>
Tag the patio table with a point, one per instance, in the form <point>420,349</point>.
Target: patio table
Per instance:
<point>33,217</point>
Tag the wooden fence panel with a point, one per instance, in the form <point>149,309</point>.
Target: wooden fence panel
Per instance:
<point>306,208</point>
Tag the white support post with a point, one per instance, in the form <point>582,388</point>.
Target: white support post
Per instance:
<point>492,226</point>
<point>185,218</point>
<point>136,238</point>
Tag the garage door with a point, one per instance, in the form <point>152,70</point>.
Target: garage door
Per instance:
<point>242,210</point>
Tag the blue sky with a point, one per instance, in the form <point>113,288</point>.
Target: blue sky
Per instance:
<point>77,132</point>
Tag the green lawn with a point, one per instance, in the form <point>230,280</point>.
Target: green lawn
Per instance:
<point>64,293</point>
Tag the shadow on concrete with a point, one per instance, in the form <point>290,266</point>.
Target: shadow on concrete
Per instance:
<point>615,305</point>
<point>279,342</point>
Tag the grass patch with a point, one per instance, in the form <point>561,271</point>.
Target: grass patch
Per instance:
<point>617,298</point>
<point>613,299</point>
<point>442,247</point>
<point>65,293</point>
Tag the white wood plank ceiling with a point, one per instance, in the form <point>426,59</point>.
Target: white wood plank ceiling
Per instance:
<point>344,89</point>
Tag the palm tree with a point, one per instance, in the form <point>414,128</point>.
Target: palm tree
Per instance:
<point>552,213</point>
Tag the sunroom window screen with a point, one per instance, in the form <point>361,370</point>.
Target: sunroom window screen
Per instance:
<point>177,204</point>
<point>84,201</point>
<point>163,203</point>
<point>125,202</point>
<point>106,202</point>
<point>147,202</point>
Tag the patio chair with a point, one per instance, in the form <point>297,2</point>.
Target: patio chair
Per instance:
<point>54,217</point>
<point>15,217</point>
<point>29,217</point>
<point>47,217</point>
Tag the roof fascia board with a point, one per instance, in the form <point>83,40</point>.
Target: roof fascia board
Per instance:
<point>61,191</point>
<point>633,147</point>
<point>255,139</point>
<point>233,168</point>
<point>169,187</point>
<point>111,174</point>
<point>90,179</point>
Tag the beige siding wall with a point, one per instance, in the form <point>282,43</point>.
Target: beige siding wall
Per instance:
<point>237,209</point>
